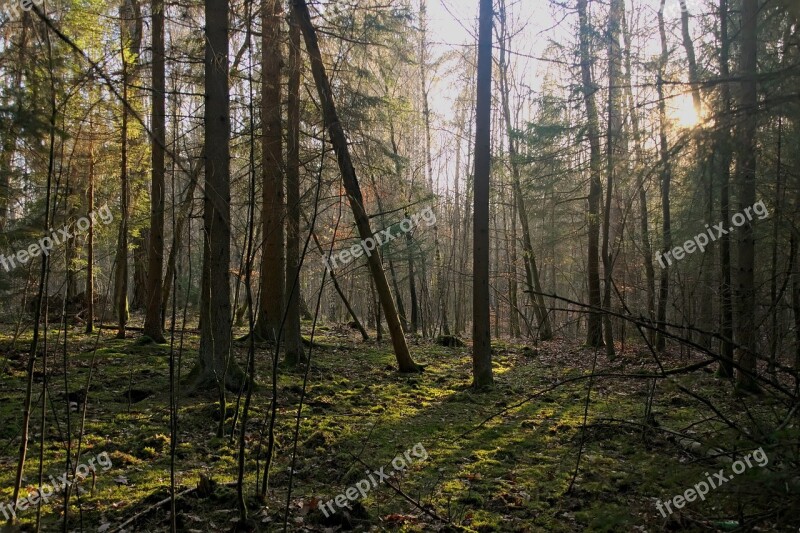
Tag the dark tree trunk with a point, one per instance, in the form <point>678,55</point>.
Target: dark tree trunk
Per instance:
<point>746,327</point>
<point>294,340</point>
<point>724,143</point>
<point>121,272</point>
<point>273,255</point>
<point>666,181</point>
<point>481,326</point>
<point>153,321</point>
<point>216,367</point>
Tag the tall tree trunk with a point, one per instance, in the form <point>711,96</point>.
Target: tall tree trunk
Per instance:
<point>273,256</point>
<point>724,143</point>
<point>294,340</point>
<point>121,271</point>
<point>594,336</point>
<point>614,153</point>
<point>481,333</point>
<point>775,330</point>
<point>90,246</point>
<point>216,367</point>
<point>412,282</point>
<point>339,141</point>
<point>746,327</point>
<point>796,305</point>
<point>155,252</point>
<point>666,181</point>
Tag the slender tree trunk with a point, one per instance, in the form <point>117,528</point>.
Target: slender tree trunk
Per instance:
<point>726,285</point>
<point>339,141</point>
<point>294,340</point>
<point>121,272</point>
<point>774,326</point>
<point>614,153</point>
<point>481,332</point>
<point>155,252</point>
<point>594,335</point>
<point>412,283</point>
<point>796,305</point>
<point>666,181</point>
<point>746,327</point>
<point>90,246</point>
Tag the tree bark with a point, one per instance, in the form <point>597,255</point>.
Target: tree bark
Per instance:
<point>594,336</point>
<point>273,255</point>
<point>614,153</point>
<point>666,181</point>
<point>155,251</point>
<point>121,271</point>
<point>746,327</point>
<point>216,367</point>
<point>90,246</point>
<point>725,369</point>
<point>481,326</point>
<point>294,340</point>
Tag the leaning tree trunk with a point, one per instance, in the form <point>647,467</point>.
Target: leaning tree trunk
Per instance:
<point>339,141</point>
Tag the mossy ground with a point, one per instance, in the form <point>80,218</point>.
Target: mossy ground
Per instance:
<point>511,473</point>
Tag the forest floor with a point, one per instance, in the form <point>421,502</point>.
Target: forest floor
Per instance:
<point>503,460</point>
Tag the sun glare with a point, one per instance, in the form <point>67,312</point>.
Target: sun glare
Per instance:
<point>682,111</point>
